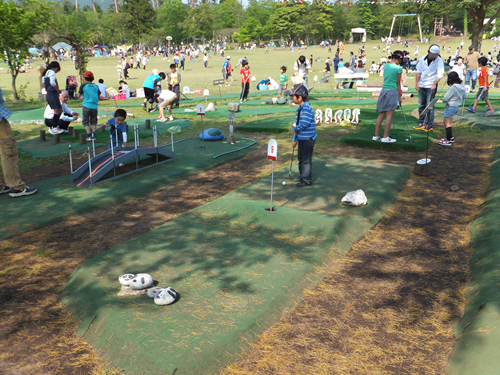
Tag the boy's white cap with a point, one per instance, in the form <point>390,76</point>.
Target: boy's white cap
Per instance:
<point>229,57</point>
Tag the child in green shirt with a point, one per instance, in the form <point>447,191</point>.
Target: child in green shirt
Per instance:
<point>283,81</point>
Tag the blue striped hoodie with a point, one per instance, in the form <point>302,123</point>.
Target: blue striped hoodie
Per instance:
<point>306,126</point>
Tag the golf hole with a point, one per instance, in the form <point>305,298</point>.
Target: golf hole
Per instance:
<point>269,209</point>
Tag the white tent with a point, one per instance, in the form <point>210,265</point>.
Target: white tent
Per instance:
<point>359,30</point>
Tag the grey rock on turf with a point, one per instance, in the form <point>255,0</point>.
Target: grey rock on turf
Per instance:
<point>233,107</point>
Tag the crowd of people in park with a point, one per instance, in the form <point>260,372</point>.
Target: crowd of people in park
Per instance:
<point>467,72</point>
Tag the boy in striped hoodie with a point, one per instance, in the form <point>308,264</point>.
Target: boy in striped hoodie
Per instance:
<point>305,134</point>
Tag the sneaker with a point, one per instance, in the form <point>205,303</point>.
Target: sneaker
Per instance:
<point>170,118</point>
<point>472,91</point>
<point>303,183</point>
<point>387,140</point>
<point>56,130</point>
<point>297,179</point>
<point>471,110</point>
<point>418,127</point>
<point>241,100</point>
<point>66,131</point>
<point>244,100</point>
<point>445,142</point>
<point>94,136</point>
<point>143,105</point>
<point>487,110</point>
<point>162,120</point>
<point>14,193</point>
<point>452,139</point>
<point>152,109</point>
<point>427,128</point>
<point>121,164</point>
<point>376,138</point>
<point>5,189</point>
<point>89,138</point>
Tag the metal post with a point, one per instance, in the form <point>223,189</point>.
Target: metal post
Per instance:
<point>90,168</point>
<point>155,135</point>
<point>93,146</point>
<point>113,155</point>
<point>420,28</point>
<point>70,159</point>
<point>136,136</point>
<point>202,134</point>
<point>172,136</point>
<point>272,186</point>
<point>392,26</point>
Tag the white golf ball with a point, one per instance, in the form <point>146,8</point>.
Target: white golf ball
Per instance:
<point>406,139</point>
<point>283,183</point>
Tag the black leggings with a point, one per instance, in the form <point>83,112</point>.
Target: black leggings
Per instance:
<point>245,88</point>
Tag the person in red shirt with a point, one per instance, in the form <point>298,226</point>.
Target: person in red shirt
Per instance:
<point>484,86</point>
<point>245,81</point>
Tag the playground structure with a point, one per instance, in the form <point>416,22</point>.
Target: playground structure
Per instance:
<point>407,15</point>
<point>94,171</point>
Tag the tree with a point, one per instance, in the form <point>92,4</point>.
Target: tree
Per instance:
<point>476,11</point>
<point>142,21</point>
<point>19,24</point>
<point>368,21</point>
<point>200,22</point>
<point>171,15</point>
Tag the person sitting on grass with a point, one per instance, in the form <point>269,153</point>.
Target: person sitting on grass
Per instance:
<point>90,93</point>
<point>149,86</point>
<point>167,100</point>
<point>453,98</point>
<point>390,97</point>
<point>12,182</point>
<point>304,134</point>
<point>484,86</point>
<point>65,119</point>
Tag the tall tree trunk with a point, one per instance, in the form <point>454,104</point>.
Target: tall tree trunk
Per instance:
<point>116,6</point>
<point>76,5</point>
<point>93,7</point>
<point>478,15</point>
<point>14,90</point>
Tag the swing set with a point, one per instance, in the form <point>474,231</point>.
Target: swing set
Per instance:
<point>409,25</point>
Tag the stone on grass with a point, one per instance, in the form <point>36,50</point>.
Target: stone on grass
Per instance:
<point>141,281</point>
<point>490,114</point>
<point>355,198</point>
<point>128,291</point>
<point>126,278</point>
<point>210,107</point>
<point>166,296</point>
<point>233,107</point>
<point>153,292</point>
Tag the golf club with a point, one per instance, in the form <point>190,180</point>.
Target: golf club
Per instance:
<point>406,122</point>
<point>291,161</point>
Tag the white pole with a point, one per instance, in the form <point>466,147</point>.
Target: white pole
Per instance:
<point>420,28</point>
<point>93,146</point>
<point>202,134</point>
<point>172,137</point>
<point>90,168</point>
<point>70,159</point>
<point>392,26</point>
<point>272,186</point>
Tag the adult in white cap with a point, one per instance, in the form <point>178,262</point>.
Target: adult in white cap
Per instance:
<point>471,64</point>
<point>430,70</point>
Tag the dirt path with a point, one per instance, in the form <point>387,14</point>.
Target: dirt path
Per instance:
<point>397,292</point>
<point>388,307</point>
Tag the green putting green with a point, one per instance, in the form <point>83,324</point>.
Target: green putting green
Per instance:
<point>235,266</point>
<point>398,131</point>
<point>35,116</point>
<point>473,119</point>
<point>275,124</point>
<point>478,332</point>
<point>48,149</point>
<point>56,199</point>
<point>223,112</point>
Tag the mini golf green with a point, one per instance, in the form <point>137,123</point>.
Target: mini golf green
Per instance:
<point>223,112</point>
<point>47,149</point>
<point>478,332</point>
<point>235,266</point>
<point>473,119</point>
<point>398,131</point>
<point>35,116</point>
<point>275,124</point>
<point>56,199</point>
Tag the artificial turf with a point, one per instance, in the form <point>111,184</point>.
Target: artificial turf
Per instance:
<point>235,265</point>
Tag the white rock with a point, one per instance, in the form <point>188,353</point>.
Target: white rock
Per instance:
<point>141,281</point>
<point>153,292</point>
<point>126,278</point>
<point>275,100</point>
<point>210,107</point>
<point>166,296</point>
<point>355,198</point>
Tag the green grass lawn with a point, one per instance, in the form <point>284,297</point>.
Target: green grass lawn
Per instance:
<point>198,78</point>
